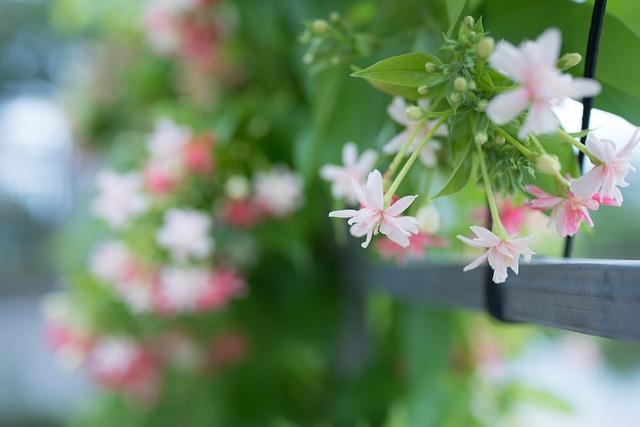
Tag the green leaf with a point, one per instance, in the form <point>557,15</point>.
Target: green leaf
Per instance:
<point>460,176</point>
<point>401,75</point>
<point>618,67</point>
<point>454,9</point>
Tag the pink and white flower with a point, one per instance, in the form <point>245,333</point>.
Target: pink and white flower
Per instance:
<point>111,261</point>
<point>608,176</point>
<point>167,143</point>
<point>501,254</point>
<point>374,217</point>
<point>162,23</point>
<point>428,154</point>
<point>185,233</point>
<point>567,213</point>
<point>120,198</point>
<point>533,65</point>
<point>354,168</point>
<point>278,192</point>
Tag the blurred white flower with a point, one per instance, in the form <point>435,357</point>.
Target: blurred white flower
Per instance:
<point>110,261</point>
<point>167,143</point>
<point>354,167</point>
<point>182,289</point>
<point>185,233</point>
<point>279,191</point>
<point>120,198</point>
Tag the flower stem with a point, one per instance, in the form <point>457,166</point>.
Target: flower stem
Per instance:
<point>400,155</point>
<point>497,227</point>
<point>405,169</point>
<point>571,140</point>
<point>524,150</point>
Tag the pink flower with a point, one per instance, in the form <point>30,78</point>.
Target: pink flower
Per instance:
<point>418,244</point>
<point>501,254</point>
<point>533,64</point>
<point>354,168</point>
<point>225,284</point>
<point>428,154</point>
<point>513,217</point>
<point>611,173</point>
<point>228,349</point>
<point>373,217</point>
<point>567,212</point>
<point>241,213</point>
<point>197,154</point>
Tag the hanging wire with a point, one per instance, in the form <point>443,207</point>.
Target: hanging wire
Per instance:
<point>591,57</point>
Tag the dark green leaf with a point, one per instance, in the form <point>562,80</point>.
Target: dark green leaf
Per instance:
<point>460,176</point>
<point>454,9</point>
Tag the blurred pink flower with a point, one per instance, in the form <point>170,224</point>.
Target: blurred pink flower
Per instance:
<point>120,198</point>
<point>198,154</point>
<point>418,244</point>
<point>501,254</point>
<point>428,154</point>
<point>228,348</point>
<point>354,168</point>
<point>512,216</point>
<point>533,65</point>
<point>373,217</point>
<point>241,213</point>
<point>611,173</point>
<point>567,213</point>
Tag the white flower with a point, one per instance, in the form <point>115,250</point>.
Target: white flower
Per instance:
<point>110,261</point>
<point>137,294</point>
<point>428,154</point>
<point>611,173</point>
<point>166,144</point>
<point>120,198</point>
<point>533,65</point>
<point>279,192</point>
<point>183,288</point>
<point>185,233</point>
<point>428,219</point>
<point>374,217</point>
<point>354,168</point>
<point>501,254</point>
<point>113,356</point>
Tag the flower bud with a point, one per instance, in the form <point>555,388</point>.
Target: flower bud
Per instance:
<point>320,26</point>
<point>500,140</point>
<point>237,187</point>
<point>455,97</point>
<point>334,17</point>
<point>482,105</point>
<point>481,138</point>
<point>428,219</point>
<point>460,83</point>
<point>423,90</point>
<point>472,85</point>
<point>485,47</point>
<point>308,58</point>
<point>548,164</point>
<point>469,21</point>
<point>430,67</point>
<point>414,113</point>
<point>569,60</point>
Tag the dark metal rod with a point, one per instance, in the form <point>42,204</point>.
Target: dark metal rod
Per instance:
<point>593,43</point>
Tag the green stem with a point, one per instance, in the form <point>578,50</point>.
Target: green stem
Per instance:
<point>403,172</point>
<point>524,150</point>
<point>400,155</point>
<point>580,146</point>
<point>497,228</point>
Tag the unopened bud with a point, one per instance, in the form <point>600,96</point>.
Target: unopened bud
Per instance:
<point>430,67</point>
<point>414,113</point>
<point>472,85</point>
<point>334,17</point>
<point>237,187</point>
<point>320,26</point>
<point>569,60</point>
<point>482,105</point>
<point>335,60</point>
<point>423,90</point>
<point>548,164</point>
<point>481,138</point>
<point>500,140</point>
<point>455,97</point>
<point>469,21</point>
<point>428,219</point>
<point>460,83</point>
<point>485,47</point>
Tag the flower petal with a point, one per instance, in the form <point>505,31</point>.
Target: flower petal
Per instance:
<point>506,106</point>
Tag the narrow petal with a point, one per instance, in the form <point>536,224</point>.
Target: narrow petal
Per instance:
<point>400,206</point>
<point>349,154</point>
<point>589,183</point>
<point>508,60</point>
<point>485,234</point>
<point>396,143</point>
<point>506,106</point>
<point>603,149</point>
<point>476,262</point>
<point>540,120</point>
<point>548,44</point>
<point>373,191</point>
<point>396,111</point>
<point>580,88</point>
<point>345,213</point>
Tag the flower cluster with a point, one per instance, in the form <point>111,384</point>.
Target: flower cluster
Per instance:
<point>135,366</point>
<point>491,107</point>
